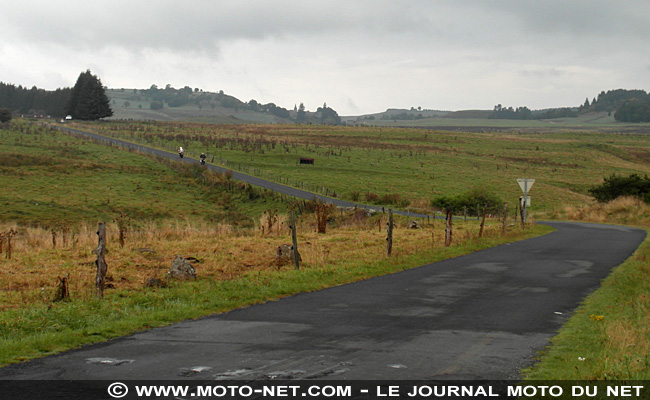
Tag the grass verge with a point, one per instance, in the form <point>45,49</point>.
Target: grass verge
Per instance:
<point>608,337</point>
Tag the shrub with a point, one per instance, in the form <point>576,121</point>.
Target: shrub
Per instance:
<point>5,115</point>
<point>473,201</point>
<point>616,186</point>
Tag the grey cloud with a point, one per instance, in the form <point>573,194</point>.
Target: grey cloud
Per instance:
<point>199,25</point>
<point>371,51</point>
<point>543,73</point>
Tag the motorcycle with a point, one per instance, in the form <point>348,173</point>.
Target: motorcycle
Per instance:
<point>203,161</point>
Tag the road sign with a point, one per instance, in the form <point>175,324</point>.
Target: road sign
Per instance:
<point>525,184</point>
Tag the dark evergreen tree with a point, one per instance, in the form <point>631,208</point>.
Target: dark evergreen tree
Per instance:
<point>618,185</point>
<point>5,115</point>
<point>612,100</point>
<point>634,110</point>
<point>88,100</point>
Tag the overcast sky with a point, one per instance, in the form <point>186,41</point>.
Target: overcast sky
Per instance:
<point>358,56</point>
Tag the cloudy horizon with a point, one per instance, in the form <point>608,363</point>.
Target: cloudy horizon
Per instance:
<point>357,56</point>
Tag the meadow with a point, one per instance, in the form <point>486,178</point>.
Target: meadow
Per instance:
<point>58,187</point>
<point>52,180</point>
<point>407,166</point>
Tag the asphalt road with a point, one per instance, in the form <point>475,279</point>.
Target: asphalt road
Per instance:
<point>480,316</point>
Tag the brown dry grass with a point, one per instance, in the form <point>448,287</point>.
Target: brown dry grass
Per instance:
<point>623,210</point>
<point>31,275</point>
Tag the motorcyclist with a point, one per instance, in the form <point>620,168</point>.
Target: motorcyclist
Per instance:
<point>181,152</point>
<point>202,158</point>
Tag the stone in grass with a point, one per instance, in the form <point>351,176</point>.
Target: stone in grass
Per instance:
<point>181,269</point>
<point>284,255</point>
<point>414,225</point>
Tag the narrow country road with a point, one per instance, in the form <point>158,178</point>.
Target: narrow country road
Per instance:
<point>481,316</point>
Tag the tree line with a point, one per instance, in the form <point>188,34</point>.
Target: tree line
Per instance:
<point>627,106</point>
<point>23,100</point>
<point>524,113</point>
<point>87,100</point>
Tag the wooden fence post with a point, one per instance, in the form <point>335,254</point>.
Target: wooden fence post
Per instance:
<point>9,235</point>
<point>62,292</point>
<point>505,216</point>
<point>294,239</point>
<point>100,279</point>
<point>516,211</point>
<point>389,234</point>
<point>480,231</point>
<point>448,229</point>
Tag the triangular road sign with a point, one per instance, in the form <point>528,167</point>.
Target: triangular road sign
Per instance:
<point>525,184</point>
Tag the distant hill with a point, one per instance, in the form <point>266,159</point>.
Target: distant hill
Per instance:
<point>395,114</point>
<point>166,104</point>
<point>469,114</point>
<point>196,105</point>
<point>191,105</point>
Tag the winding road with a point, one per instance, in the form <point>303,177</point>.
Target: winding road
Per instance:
<point>485,315</point>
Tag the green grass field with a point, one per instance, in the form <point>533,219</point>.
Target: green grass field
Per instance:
<point>51,179</point>
<point>416,164</point>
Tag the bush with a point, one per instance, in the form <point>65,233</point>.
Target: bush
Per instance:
<point>473,201</point>
<point>616,186</point>
<point>5,115</point>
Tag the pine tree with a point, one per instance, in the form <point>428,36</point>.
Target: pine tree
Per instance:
<point>88,100</point>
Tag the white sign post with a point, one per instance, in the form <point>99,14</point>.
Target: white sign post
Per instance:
<point>525,185</point>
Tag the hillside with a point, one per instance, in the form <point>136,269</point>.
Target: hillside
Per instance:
<point>201,107</point>
<point>195,105</point>
<point>65,181</point>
